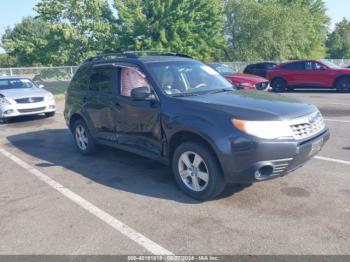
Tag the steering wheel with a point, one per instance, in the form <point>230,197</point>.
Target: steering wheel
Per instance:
<point>200,85</point>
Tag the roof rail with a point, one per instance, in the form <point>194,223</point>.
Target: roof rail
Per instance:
<point>132,55</point>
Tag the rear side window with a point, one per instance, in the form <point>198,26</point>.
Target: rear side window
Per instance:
<point>294,66</point>
<point>81,78</point>
<point>102,80</point>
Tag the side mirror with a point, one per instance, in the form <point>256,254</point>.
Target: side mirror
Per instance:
<point>41,86</point>
<point>141,93</point>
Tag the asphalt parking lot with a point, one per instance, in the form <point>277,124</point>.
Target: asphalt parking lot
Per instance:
<point>55,201</point>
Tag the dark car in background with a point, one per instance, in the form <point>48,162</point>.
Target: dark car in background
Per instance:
<point>241,81</point>
<point>309,73</point>
<point>183,113</point>
<point>259,69</point>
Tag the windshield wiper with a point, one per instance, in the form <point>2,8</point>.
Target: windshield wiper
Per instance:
<point>185,94</point>
<point>222,90</point>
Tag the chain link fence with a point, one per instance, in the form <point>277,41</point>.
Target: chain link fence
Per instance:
<point>56,79</point>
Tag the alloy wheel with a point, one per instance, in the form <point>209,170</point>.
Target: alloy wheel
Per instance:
<point>81,137</point>
<point>193,171</point>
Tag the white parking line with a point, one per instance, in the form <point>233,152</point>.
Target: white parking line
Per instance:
<point>143,241</point>
<point>333,160</point>
<point>337,121</point>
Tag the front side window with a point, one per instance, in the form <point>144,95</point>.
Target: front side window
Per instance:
<point>15,84</point>
<point>131,78</point>
<point>190,77</point>
<point>102,80</point>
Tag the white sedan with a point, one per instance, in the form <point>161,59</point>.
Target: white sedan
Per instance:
<point>19,97</point>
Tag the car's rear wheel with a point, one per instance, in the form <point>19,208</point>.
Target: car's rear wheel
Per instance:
<point>279,85</point>
<point>83,140</point>
<point>343,85</point>
<point>197,171</point>
<point>50,114</point>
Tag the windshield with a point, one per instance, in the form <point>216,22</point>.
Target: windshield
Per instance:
<point>223,69</point>
<point>330,64</point>
<point>188,78</point>
<point>15,83</point>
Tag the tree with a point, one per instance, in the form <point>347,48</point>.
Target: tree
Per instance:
<point>27,42</point>
<point>276,29</point>
<point>79,28</point>
<point>193,27</point>
<point>338,42</point>
<point>7,61</point>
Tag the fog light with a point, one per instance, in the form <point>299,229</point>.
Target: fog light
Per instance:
<point>52,107</point>
<point>8,112</point>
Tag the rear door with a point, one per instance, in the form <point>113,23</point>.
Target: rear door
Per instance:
<point>99,103</point>
<point>138,124</point>
<point>294,73</point>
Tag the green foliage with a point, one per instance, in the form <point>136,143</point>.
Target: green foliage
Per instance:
<point>7,61</point>
<point>66,32</point>
<point>79,28</point>
<point>338,42</point>
<point>276,29</point>
<point>193,27</point>
<point>27,42</point>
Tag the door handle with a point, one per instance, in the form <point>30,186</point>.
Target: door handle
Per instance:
<point>117,105</point>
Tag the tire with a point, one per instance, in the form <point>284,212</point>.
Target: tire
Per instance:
<point>201,162</point>
<point>3,120</point>
<point>279,85</point>
<point>50,114</point>
<point>343,85</point>
<point>83,140</point>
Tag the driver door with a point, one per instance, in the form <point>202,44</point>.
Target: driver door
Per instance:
<point>138,123</point>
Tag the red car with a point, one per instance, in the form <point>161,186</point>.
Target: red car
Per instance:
<point>242,81</point>
<point>309,73</point>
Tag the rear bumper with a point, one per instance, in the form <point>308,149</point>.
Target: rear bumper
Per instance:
<point>253,161</point>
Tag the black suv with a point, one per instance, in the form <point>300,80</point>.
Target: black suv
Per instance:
<point>259,69</point>
<point>183,113</point>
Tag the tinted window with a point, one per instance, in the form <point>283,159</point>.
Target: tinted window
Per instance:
<point>294,66</point>
<point>313,66</point>
<point>102,80</point>
<point>81,77</point>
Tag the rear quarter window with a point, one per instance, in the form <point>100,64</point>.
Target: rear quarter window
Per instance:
<point>80,80</point>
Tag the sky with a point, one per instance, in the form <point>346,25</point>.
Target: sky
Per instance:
<point>12,11</point>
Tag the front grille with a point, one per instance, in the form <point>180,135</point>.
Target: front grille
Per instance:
<point>262,86</point>
<point>29,100</point>
<point>308,126</point>
<point>31,110</point>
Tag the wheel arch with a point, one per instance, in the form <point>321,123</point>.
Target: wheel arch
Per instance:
<point>184,136</point>
<point>340,77</point>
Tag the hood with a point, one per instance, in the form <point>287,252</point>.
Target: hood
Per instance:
<point>344,70</point>
<point>246,78</point>
<point>255,105</point>
<point>23,93</point>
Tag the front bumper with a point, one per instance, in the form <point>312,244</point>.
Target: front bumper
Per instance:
<point>258,160</point>
<point>14,110</point>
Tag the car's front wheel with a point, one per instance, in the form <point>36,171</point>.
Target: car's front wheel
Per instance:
<point>343,85</point>
<point>279,85</point>
<point>83,140</point>
<point>197,171</point>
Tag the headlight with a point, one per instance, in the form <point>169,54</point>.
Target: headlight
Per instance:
<point>264,129</point>
<point>4,101</point>
<point>244,85</point>
<point>50,97</point>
